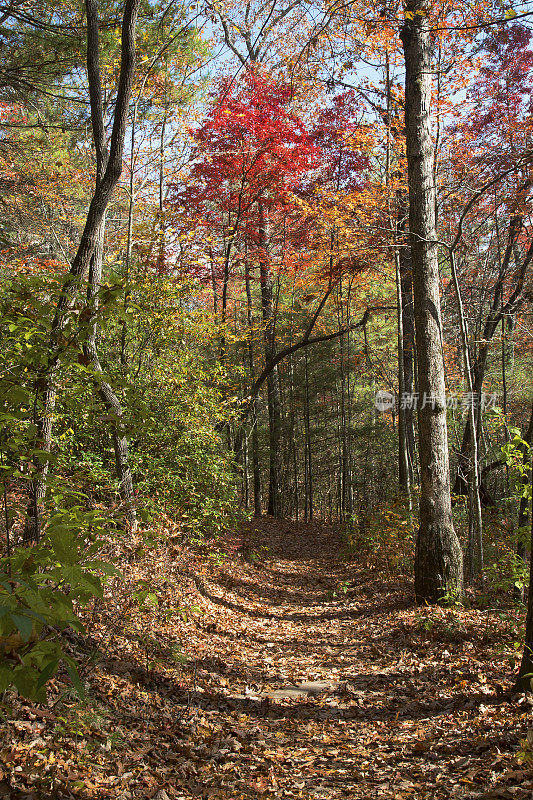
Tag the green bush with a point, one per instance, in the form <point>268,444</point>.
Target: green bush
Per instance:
<point>39,587</point>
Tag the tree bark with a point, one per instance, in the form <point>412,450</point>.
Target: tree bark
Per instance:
<point>438,559</point>
<point>523,509</point>
<point>408,334</point>
<point>256,471</point>
<point>106,391</point>
<point>309,499</point>
<point>46,390</point>
<point>475,519</point>
<point>273,396</point>
<point>525,673</point>
<point>344,402</point>
<point>404,478</point>
<point>498,312</point>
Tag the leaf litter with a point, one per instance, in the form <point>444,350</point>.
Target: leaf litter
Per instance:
<point>278,671</point>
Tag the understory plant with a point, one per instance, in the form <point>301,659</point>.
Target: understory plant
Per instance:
<point>41,587</point>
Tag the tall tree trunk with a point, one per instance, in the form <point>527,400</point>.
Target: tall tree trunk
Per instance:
<point>498,312</point>
<point>256,471</point>
<point>404,479</point>
<point>293,440</point>
<point>344,365</point>
<point>524,680</point>
<point>349,419</point>
<point>273,396</point>
<point>129,243</point>
<point>404,290</point>
<point>523,509</point>
<point>105,185</point>
<point>105,390</point>
<point>309,500</point>
<point>438,560</point>
<point>408,330</point>
<point>475,519</point>
<point>161,220</point>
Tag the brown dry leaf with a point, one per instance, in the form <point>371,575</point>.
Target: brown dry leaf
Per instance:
<point>370,696</point>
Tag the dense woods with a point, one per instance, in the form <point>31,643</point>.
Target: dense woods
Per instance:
<point>266,306</point>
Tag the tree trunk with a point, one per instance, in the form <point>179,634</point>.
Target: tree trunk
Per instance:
<point>408,332</point>
<point>308,453</point>
<point>344,402</point>
<point>105,390</point>
<point>404,478</point>
<point>524,679</point>
<point>255,438</point>
<point>273,397</point>
<point>498,312</point>
<point>523,509</point>
<point>475,519</point>
<point>46,390</point>
<point>293,439</point>
<point>438,560</point>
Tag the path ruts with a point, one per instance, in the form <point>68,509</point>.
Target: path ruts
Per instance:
<point>325,681</point>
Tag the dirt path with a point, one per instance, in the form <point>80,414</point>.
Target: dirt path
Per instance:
<point>285,672</point>
<point>324,682</point>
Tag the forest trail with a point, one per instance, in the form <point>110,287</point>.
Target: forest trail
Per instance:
<point>286,672</point>
<point>318,679</point>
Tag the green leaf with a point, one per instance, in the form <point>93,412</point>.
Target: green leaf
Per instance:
<point>76,623</point>
<point>43,457</point>
<point>152,600</point>
<point>90,583</point>
<point>75,678</point>
<point>6,677</point>
<point>46,673</point>
<point>39,617</point>
<point>64,548</point>
<point>25,679</point>
<point>24,625</point>
<point>105,567</point>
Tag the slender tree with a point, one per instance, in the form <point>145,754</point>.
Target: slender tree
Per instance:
<point>524,680</point>
<point>90,243</point>
<point>438,560</point>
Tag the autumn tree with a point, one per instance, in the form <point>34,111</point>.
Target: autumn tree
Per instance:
<point>251,154</point>
<point>493,144</point>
